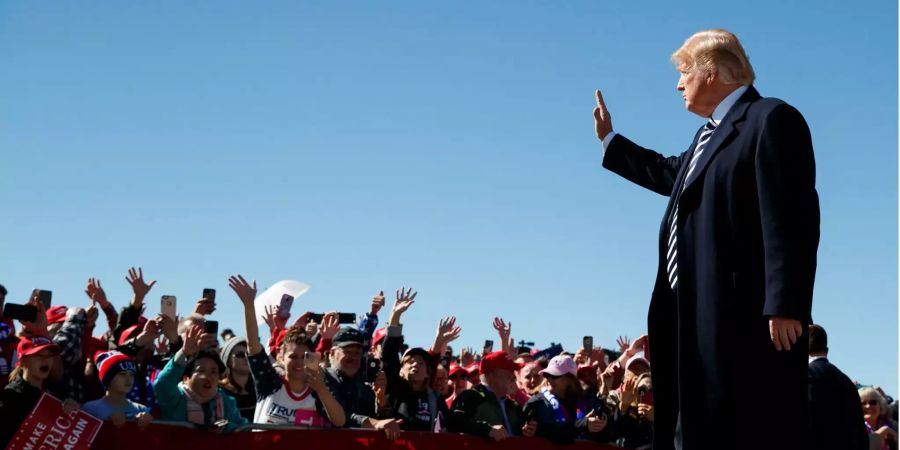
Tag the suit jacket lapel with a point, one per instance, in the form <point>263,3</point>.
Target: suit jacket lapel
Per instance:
<point>724,133</point>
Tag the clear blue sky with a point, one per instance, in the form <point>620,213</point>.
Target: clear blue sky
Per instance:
<point>449,146</point>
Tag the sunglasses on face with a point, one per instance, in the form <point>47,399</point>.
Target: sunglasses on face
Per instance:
<point>457,377</point>
<point>239,354</point>
<point>870,402</point>
<point>551,377</point>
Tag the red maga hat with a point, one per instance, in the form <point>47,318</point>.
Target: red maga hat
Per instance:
<point>496,361</point>
<point>56,314</point>
<point>35,344</point>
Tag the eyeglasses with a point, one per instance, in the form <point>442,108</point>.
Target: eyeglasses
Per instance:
<point>872,402</point>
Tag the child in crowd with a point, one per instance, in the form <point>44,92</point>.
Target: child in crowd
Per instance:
<point>27,384</point>
<point>116,372</point>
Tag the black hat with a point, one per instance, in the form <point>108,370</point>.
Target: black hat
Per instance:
<point>347,336</point>
<point>424,354</point>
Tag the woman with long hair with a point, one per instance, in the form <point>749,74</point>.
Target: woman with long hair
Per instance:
<point>561,411</point>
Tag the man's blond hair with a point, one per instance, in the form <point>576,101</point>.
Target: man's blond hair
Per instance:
<point>715,51</point>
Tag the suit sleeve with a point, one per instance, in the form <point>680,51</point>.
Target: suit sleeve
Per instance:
<point>642,166</point>
<point>789,212</point>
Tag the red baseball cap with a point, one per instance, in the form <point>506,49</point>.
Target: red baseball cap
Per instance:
<point>129,333</point>
<point>496,361</point>
<point>472,369</point>
<point>378,336</point>
<point>455,369</point>
<point>32,345</point>
<point>56,314</point>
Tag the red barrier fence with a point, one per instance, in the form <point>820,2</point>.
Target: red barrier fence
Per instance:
<point>171,437</point>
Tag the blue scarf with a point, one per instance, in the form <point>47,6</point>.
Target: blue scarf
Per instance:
<point>560,415</point>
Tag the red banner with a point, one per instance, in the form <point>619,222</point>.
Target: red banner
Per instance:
<point>162,436</point>
<point>48,428</point>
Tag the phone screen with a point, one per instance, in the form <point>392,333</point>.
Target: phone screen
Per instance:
<point>316,317</point>
<point>346,318</point>
<point>46,298</point>
<point>210,294</point>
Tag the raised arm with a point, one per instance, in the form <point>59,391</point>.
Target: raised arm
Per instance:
<point>644,167</point>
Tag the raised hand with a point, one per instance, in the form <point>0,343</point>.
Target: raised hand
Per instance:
<point>330,325</point>
<point>96,293</point>
<point>466,356</point>
<point>447,330</point>
<point>39,326</point>
<point>602,119</point>
<point>269,317</point>
<point>149,334</point>
<point>244,290</point>
<point>624,343</point>
<point>639,344</point>
<point>136,279</point>
<point>377,303</point>
<point>205,306</point>
<point>168,326</point>
<point>784,332</point>
<point>503,329</point>
<point>405,299</point>
<point>192,341</point>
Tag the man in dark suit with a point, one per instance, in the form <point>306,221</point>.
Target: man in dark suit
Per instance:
<point>737,258</point>
<point>835,415</point>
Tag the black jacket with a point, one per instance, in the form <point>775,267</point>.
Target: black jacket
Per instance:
<point>476,411</point>
<point>565,429</point>
<point>17,400</point>
<point>420,411</point>
<point>355,396</point>
<point>747,236</point>
<point>836,416</point>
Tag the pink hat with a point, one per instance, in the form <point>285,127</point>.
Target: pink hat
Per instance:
<point>561,365</point>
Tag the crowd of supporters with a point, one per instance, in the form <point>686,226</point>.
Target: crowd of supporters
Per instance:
<point>315,372</point>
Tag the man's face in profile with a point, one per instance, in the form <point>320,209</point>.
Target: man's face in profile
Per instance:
<point>695,87</point>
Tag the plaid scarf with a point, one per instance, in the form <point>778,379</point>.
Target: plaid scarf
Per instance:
<point>195,409</point>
